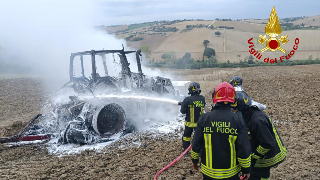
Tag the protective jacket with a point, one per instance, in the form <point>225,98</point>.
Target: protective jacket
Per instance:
<point>192,106</point>
<point>267,146</point>
<point>222,140</point>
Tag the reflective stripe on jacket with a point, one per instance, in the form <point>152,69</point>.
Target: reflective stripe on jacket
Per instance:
<point>266,143</point>
<point>192,106</point>
<point>221,140</point>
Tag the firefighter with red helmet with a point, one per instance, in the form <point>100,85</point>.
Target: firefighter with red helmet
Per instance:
<point>267,147</point>
<point>221,139</point>
<point>192,106</point>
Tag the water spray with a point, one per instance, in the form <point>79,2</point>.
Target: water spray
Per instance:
<point>171,101</point>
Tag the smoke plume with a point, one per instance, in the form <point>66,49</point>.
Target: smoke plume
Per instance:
<point>37,37</point>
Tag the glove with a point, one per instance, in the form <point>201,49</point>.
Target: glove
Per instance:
<point>195,166</point>
<point>245,177</point>
<point>179,103</point>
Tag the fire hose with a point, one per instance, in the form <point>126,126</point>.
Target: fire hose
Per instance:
<point>176,160</point>
<point>172,163</point>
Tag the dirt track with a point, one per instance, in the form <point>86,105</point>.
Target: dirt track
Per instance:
<point>291,94</point>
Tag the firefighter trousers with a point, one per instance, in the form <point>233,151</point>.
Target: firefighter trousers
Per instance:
<point>235,177</point>
<point>186,138</point>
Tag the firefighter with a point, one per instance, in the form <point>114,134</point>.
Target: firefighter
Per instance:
<point>236,82</point>
<point>192,106</point>
<point>221,139</point>
<point>267,147</point>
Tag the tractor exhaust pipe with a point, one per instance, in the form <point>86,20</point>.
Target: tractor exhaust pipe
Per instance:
<point>103,121</point>
<point>108,120</point>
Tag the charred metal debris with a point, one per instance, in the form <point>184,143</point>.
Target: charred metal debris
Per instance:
<point>86,122</point>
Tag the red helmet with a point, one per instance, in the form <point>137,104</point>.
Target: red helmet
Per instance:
<point>224,92</point>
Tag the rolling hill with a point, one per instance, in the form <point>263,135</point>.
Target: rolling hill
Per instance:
<point>231,44</point>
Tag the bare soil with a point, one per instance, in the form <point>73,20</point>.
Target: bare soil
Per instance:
<point>20,100</point>
<point>291,94</point>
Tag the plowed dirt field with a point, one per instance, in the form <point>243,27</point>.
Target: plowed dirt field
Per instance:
<point>292,95</point>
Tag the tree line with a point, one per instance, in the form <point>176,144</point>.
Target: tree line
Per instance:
<point>209,60</point>
<point>186,62</point>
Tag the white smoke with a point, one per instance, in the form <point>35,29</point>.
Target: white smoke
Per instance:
<point>38,36</point>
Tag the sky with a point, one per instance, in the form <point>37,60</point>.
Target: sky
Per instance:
<point>137,11</point>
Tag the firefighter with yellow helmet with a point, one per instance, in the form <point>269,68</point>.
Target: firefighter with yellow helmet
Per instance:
<point>267,147</point>
<point>192,106</point>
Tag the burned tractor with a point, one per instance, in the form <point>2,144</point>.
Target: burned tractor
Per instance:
<point>102,105</point>
<point>126,81</point>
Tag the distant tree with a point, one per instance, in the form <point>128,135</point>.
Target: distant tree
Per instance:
<point>209,52</point>
<point>129,37</point>
<point>137,39</point>
<point>250,59</point>
<point>169,56</point>
<point>199,64</point>
<point>164,56</point>
<point>186,56</point>
<point>146,50</point>
<point>205,43</point>
<point>239,57</point>
<point>185,62</point>
<point>313,19</point>
<point>212,62</point>
<point>217,33</point>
